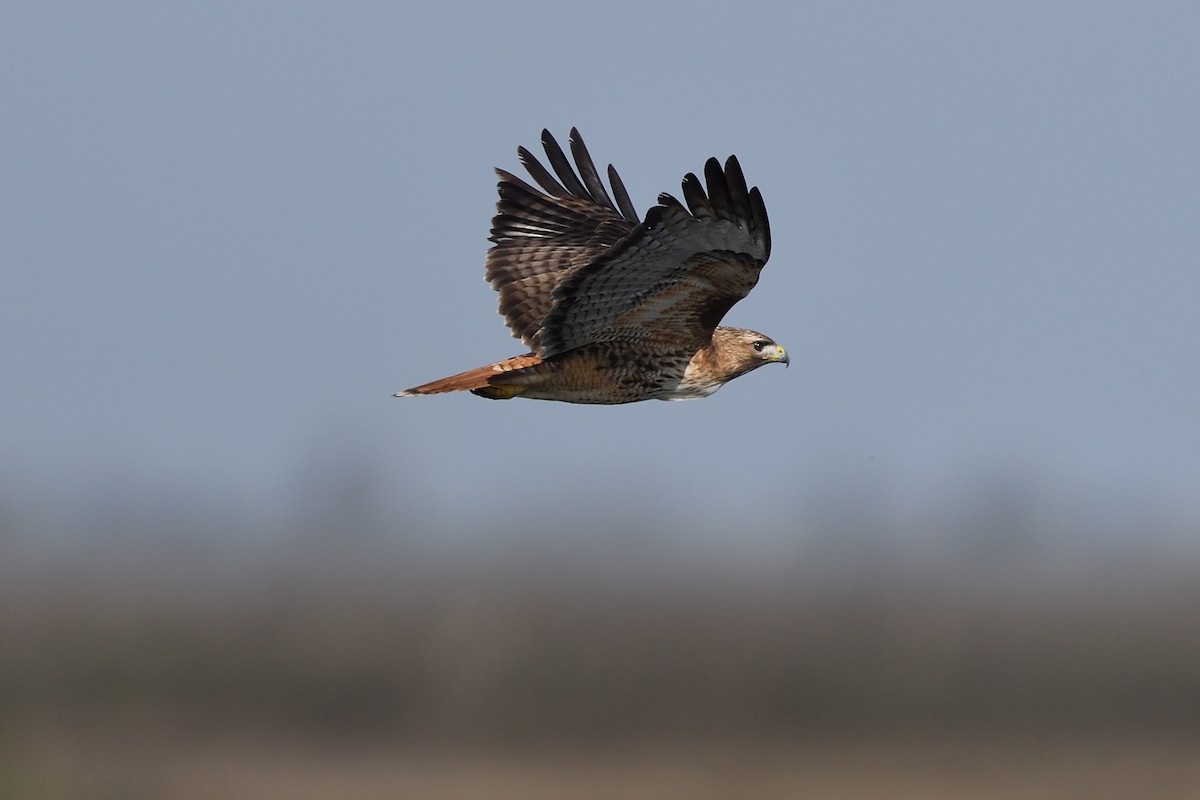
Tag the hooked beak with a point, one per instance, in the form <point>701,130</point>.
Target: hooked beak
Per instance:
<point>782,356</point>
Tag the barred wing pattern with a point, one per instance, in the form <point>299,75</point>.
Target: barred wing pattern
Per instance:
<point>540,237</point>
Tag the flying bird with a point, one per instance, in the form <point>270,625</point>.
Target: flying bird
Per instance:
<point>615,309</point>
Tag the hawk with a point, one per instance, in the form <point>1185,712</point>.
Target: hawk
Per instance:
<point>615,309</point>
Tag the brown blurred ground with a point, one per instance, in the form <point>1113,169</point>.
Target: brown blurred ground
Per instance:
<point>895,768</point>
<point>621,665</point>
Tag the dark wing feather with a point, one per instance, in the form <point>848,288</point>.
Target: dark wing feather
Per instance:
<point>540,174</point>
<point>623,201</point>
<point>562,167</point>
<point>587,170</point>
<point>539,237</point>
<point>674,277</point>
<point>719,194</point>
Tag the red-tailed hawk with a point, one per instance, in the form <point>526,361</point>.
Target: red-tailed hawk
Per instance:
<point>615,310</point>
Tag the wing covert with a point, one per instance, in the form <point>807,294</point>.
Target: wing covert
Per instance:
<point>540,237</point>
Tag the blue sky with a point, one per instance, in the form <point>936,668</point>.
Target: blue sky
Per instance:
<point>230,231</point>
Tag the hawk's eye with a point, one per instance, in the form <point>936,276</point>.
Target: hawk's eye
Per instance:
<point>759,345</point>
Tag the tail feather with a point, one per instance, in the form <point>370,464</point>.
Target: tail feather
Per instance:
<point>480,380</point>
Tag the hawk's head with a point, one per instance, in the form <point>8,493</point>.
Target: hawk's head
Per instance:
<point>732,352</point>
<point>742,350</point>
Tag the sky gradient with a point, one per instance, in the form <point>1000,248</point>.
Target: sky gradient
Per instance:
<point>230,231</point>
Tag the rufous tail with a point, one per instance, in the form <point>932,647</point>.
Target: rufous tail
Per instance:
<point>481,380</point>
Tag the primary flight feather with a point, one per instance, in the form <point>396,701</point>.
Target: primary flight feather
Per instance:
<point>613,309</point>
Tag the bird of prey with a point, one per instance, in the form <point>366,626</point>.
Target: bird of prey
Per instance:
<point>613,309</point>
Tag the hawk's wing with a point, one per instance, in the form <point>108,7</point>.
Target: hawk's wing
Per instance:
<point>673,278</point>
<point>541,236</point>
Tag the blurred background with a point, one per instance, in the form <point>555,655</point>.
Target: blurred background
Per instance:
<point>955,552</point>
